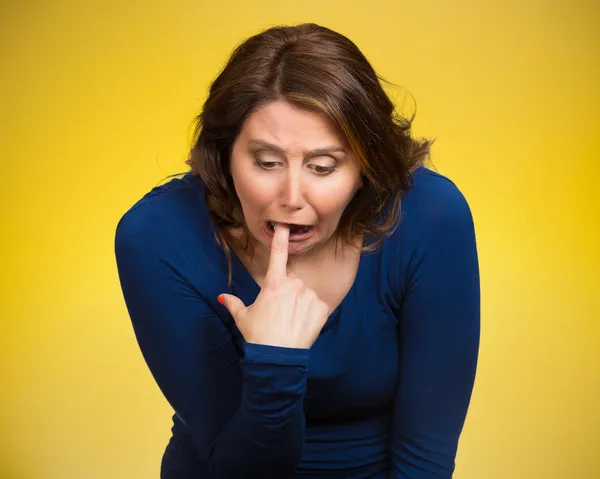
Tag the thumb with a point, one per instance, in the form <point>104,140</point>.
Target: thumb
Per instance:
<point>233,304</point>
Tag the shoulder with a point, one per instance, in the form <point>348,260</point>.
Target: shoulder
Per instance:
<point>436,227</point>
<point>434,205</point>
<point>170,225</point>
<point>175,201</point>
<point>434,196</point>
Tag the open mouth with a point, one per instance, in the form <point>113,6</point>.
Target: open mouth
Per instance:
<point>297,232</point>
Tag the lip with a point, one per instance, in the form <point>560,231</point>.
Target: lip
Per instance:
<point>293,239</point>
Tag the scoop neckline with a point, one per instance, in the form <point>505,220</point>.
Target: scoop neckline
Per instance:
<point>249,280</point>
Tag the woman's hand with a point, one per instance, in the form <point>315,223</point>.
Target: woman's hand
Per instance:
<point>286,313</point>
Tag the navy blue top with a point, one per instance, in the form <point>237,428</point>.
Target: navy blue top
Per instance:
<point>382,393</point>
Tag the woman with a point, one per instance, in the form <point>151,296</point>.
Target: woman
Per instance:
<point>307,295</point>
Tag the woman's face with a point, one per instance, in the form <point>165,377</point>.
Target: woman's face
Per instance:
<point>289,165</point>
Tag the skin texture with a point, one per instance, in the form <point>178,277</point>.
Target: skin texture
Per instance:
<point>286,313</point>
<point>290,166</point>
<point>286,182</point>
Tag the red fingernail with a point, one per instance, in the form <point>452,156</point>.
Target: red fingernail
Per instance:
<point>221,299</point>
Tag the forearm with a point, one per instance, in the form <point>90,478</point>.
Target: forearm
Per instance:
<point>265,436</point>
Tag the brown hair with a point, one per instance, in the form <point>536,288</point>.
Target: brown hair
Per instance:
<point>311,67</point>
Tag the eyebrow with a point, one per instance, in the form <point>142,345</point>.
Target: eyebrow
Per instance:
<point>315,152</point>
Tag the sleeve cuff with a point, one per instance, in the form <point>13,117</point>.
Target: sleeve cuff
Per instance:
<point>262,353</point>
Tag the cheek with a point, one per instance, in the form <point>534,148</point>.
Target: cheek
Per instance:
<point>254,195</point>
<point>331,202</point>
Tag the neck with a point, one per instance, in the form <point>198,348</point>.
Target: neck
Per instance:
<point>312,259</point>
<point>312,256</point>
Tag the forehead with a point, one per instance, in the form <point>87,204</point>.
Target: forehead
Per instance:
<point>288,126</point>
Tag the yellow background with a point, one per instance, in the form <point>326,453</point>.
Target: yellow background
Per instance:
<point>97,99</point>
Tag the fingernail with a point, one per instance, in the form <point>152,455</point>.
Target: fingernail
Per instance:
<point>221,299</point>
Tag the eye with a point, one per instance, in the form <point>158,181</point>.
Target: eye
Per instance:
<point>267,165</point>
<point>323,170</point>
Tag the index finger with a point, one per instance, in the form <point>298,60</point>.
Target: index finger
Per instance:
<point>279,252</point>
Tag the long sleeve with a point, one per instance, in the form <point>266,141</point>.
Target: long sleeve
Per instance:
<point>438,334</point>
<point>246,414</point>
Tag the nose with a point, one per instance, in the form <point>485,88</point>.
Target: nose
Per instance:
<point>292,195</point>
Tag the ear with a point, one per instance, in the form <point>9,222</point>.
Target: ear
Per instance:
<point>362,177</point>
<point>358,188</point>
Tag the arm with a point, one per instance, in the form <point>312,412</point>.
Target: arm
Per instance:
<point>246,415</point>
<point>439,341</point>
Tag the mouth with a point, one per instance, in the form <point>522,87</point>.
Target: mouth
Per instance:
<point>297,232</point>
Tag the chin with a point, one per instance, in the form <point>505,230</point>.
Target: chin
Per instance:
<point>298,249</point>
<point>294,248</point>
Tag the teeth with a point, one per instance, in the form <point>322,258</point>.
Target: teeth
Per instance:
<point>301,229</point>
<point>293,228</point>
